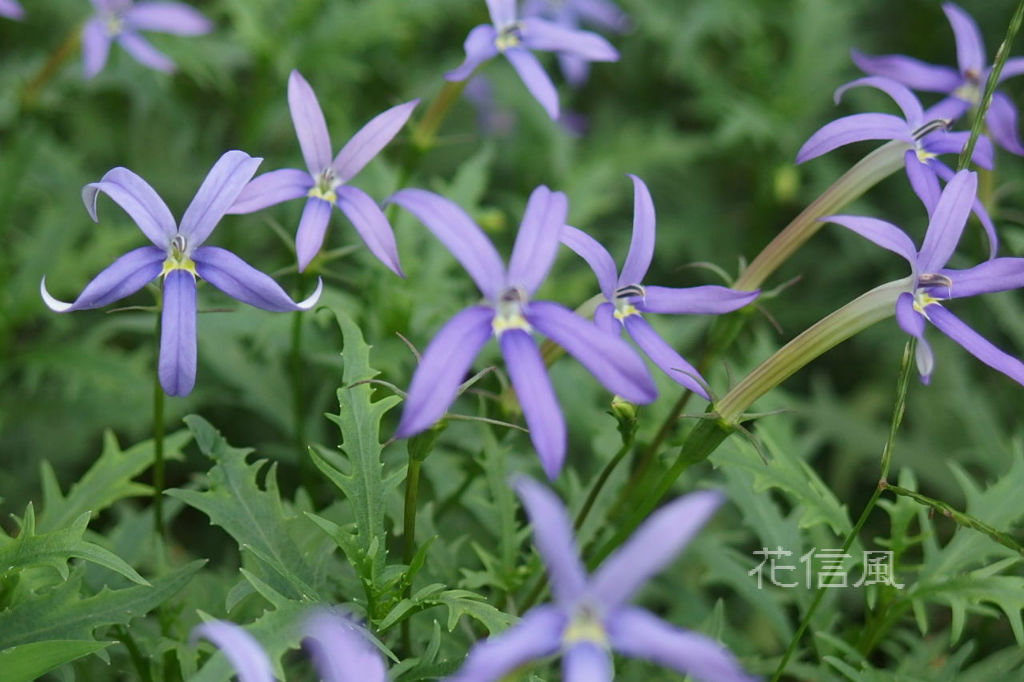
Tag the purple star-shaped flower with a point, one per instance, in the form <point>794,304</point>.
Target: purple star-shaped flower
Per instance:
<point>179,257</point>
<point>590,616</point>
<point>626,297</point>
<point>933,283</point>
<point>121,20</point>
<point>516,37</point>
<point>326,182</point>
<point>509,314</point>
<point>11,10</point>
<point>964,83</point>
<point>570,14</point>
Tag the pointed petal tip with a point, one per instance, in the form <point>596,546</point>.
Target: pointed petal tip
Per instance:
<point>52,303</point>
<point>311,300</point>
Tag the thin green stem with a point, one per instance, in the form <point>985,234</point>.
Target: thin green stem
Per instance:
<point>298,402</point>
<point>412,486</point>
<point>628,439</point>
<point>158,446</point>
<point>136,655</point>
<point>424,135</point>
<point>66,48</point>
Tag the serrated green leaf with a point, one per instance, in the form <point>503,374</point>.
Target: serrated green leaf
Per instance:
<point>277,632</point>
<point>28,662</point>
<point>464,603</point>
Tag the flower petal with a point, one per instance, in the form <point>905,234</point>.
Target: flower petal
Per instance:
<point>604,319</point>
<point>122,278</point>
<point>177,363</point>
<point>503,12</point>
<point>597,257</point>
<point>371,139</point>
<point>855,128</point>
<point>537,635</point>
<point>167,17</point>
<point>922,180</point>
<point>220,189</point>
<point>912,322</point>
<point>709,299</point>
<point>547,36</point>
<point>1001,119</point>
<point>641,246</point>
<point>1014,66</point>
<point>371,224</point>
<point>948,109</point>
<point>535,79</point>
<point>913,73</point>
<point>640,634</point>
<point>270,189</point>
<point>341,652</point>
<point>95,47</point>
<point>457,231</point>
<point>901,94</point>
<point>138,199</point>
<point>665,356</point>
<point>997,274</point>
<point>607,357</point>
<point>654,544</point>
<point>948,221</point>
<point>11,9</point>
<point>946,173</point>
<point>144,53</point>
<point>970,50</point>
<point>941,142</point>
<point>575,69</point>
<point>974,343</point>
<point>886,235</point>
<point>603,14</point>
<point>310,126</point>
<point>537,399</point>
<point>312,228</point>
<point>243,651</point>
<point>537,241</point>
<point>553,535</point>
<point>479,48</point>
<point>586,662</point>
<point>442,368</point>
<point>243,282</point>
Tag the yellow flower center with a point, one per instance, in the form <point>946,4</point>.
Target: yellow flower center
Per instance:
<point>510,312</point>
<point>585,626</point>
<point>177,258</point>
<point>509,36</point>
<point>623,307</point>
<point>326,184</point>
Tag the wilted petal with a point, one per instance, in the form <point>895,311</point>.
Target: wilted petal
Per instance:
<point>640,634</point>
<point>535,79</point>
<point>604,318</point>
<point>913,73</point>
<point>1001,119</point>
<point>709,299</point>
<point>272,188</point>
<point>312,228</point>
<point>998,274</point>
<point>479,48</point>
<point>547,36</point>
<point>123,277</point>
<point>641,246</point>
<point>552,533</point>
<point>341,652</point>
<point>442,368</point>
<point>371,224</point>
<point>167,17</point>
<point>241,649</point>
<point>665,356</point>
<point>886,235</point>
<point>220,189</point>
<point>923,181</point>
<point>948,221</point>
<point>537,399</point>
<point>912,322</point>
<point>503,12</point>
<point>138,199</point>
<point>537,635</point>
<point>586,662</point>
<point>370,139</point>
<point>970,51</point>
<point>457,231</point>
<point>652,546</point>
<point>974,343</point>
<point>901,94</point>
<point>243,282</point>
<point>855,128</point>
<point>537,241</point>
<point>607,357</point>
<point>177,364</point>
<point>310,126</point>
<point>946,173</point>
<point>95,46</point>
<point>144,52</point>
<point>11,9</point>
<point>597,257</point>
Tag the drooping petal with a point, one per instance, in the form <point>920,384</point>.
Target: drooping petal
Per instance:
<point>312,228</point>
<point>970,50</point>
<point>370,140</point>
<point>946,173</point>
<point>597,257</point>
<point>11,10</point>
<point>167,17</point>
<point>607,357</point>
<point>535,79</point>
<point>503,12</point>
<point>138,199</point>
<point>604,318</point>
<point>912,322</point>
<point>537,399</point>
<point>665,356</point>
<point>442,368</point>
<point>652,546</point>
<point>923,181</point>
<point>1001,119</point>
<point>250,661</point>
<point>998,274</point>
<point>270,189</point>
<point>479,48</point>
<point>243,282</point>
<point>371,224</point>
<point>144,53</point>
<point>855,128</point>
<point>537,241</point>
<point>709,299</point>
<point>220,189</point>
<point>122,278</point>
<point>974,343</point>
<point>886,235</point>
<point>552,533</point>
<point>913,73</point>
<point>341,652</point>
<point>457,231</point>
<point>901,94</point>
<point>537,635</point>
<point>310,126</point>
<point>586,662</point>
<point>641,246</point>
<point>947,221</point>
<point>95,47</point>
<point>602,13</point>
<point>640,634</point>
<point>177,363</point>
<point>547,36</point>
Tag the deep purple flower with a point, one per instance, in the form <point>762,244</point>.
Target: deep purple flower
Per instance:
<point>626,297</point>
<point>591,616</point>
<point>570,14</point>
<point>509,314</point>
<point>11,9</point>
<point>121,20</point>
<point>933,283</point>
<point>179,257</point>
<point>326,182</point>
<point>516,37</point>
<point>964,84</point>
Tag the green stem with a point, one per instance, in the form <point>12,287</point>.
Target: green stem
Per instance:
<point>298,404</point>
<point>424,135</point>
<point>412,486</point>
<point>628,431</point>
<point>67,47</point>
<point>138,659</point>
<point>158,446</point>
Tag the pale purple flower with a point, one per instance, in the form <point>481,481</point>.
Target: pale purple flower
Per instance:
<point>626,297</point>
<point>591,616</point>
<point>11,9</point>
<point>964,84</point>
<point>933,283</point>
<point>179,257</point>
<point>515,37</point>
<point>121,20</point>
<point>326,183</point>
<point>509,314</point>
<point>570,14</point>
<point>926,131</point>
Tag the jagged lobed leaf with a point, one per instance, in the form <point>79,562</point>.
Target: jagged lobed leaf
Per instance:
<point>28,662</point>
